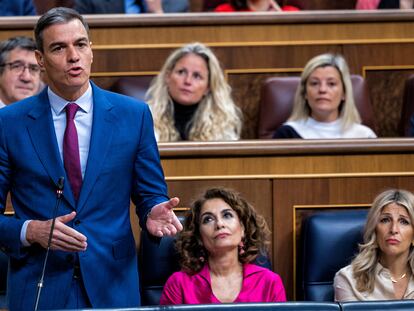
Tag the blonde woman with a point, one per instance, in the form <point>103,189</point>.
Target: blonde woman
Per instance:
<point>383,269</point>
<point>190,98</point>
<point>324,103</point>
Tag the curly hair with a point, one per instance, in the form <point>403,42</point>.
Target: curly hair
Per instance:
<point>347,109</point>
<point>189,243</point>
<point>364,264</point>
<point>216,118</point>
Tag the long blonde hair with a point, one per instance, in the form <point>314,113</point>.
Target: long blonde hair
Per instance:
<point>216,118</point>
<point>364,264</point>
<point>347,109</point>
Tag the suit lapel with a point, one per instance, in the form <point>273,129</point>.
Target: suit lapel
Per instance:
<point>100,141</point>
<point>42,134</point>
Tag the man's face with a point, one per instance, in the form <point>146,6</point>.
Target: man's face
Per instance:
<point>66,59</point>
<point>20,77</point>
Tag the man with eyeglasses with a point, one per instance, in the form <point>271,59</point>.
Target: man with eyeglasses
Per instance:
<point>19,71</point>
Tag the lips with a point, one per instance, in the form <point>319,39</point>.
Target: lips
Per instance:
<point>25,88</point>
<point>185,91</point>
<point>392,241</point>
<point>75,70</point>
<point>221,236</point>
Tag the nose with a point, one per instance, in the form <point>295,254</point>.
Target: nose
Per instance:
<point>187,79</point>
<point>25,75</point>
<point>73,55</point>
<point>219,223</point>
<point>394,228</point>
<point>322,87</point>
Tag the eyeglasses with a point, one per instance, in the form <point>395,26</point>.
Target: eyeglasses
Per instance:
<point>19,67</point>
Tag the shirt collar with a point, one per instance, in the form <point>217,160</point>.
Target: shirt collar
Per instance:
<point>58,103</point>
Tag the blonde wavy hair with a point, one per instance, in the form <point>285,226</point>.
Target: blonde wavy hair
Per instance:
<point>347,109</point>
<point>216,118</point>
<point>364,264</point>
<point>189,245</point>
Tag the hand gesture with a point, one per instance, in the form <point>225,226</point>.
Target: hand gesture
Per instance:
<point>64,238</point>
<point>162,221</point>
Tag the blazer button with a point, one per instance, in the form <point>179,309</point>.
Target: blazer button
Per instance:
<point>77,222</point>
<point>69,258</point>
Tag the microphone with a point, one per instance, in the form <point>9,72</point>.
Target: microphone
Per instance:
<point>59,192</point>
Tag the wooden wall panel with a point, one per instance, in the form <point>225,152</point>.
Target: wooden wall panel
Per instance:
<point>387,105</point>
<point>256,191</point>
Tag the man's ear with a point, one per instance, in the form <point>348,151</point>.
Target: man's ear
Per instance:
<point>39,58</point>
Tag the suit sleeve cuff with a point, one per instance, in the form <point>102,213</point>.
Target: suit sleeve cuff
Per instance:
<point>23,234</point>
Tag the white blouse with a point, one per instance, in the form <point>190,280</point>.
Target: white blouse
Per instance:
<point>345,286</point>
<point>311,129</point>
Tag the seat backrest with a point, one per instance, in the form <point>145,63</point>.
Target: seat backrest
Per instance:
<point>277,97</point>
<point>407,110</point>
<point>395,305</point>
<point>157,261</point>
<point>132,86</point>
<point>271,306</point>
<point>329,242</point>
<point>259,306</point>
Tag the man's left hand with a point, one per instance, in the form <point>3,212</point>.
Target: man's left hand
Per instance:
<point>162,220</point>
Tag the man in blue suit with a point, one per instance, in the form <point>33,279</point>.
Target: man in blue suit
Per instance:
<point>93,258</point>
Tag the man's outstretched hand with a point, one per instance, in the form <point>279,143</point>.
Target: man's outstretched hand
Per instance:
<point>162,220</point>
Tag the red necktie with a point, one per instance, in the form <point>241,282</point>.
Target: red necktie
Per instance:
<point>71,157</point>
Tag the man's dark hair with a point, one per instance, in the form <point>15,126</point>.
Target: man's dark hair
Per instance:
<point>59,15</point>
<point>20,42</point>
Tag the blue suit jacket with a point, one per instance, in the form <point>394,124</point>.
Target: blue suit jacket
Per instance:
<point>16,8</point>
<point>123,163</point>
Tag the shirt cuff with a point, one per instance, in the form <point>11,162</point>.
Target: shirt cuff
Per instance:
<point>23,234</point>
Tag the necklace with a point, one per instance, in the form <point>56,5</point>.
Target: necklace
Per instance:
<point>398,279</point>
